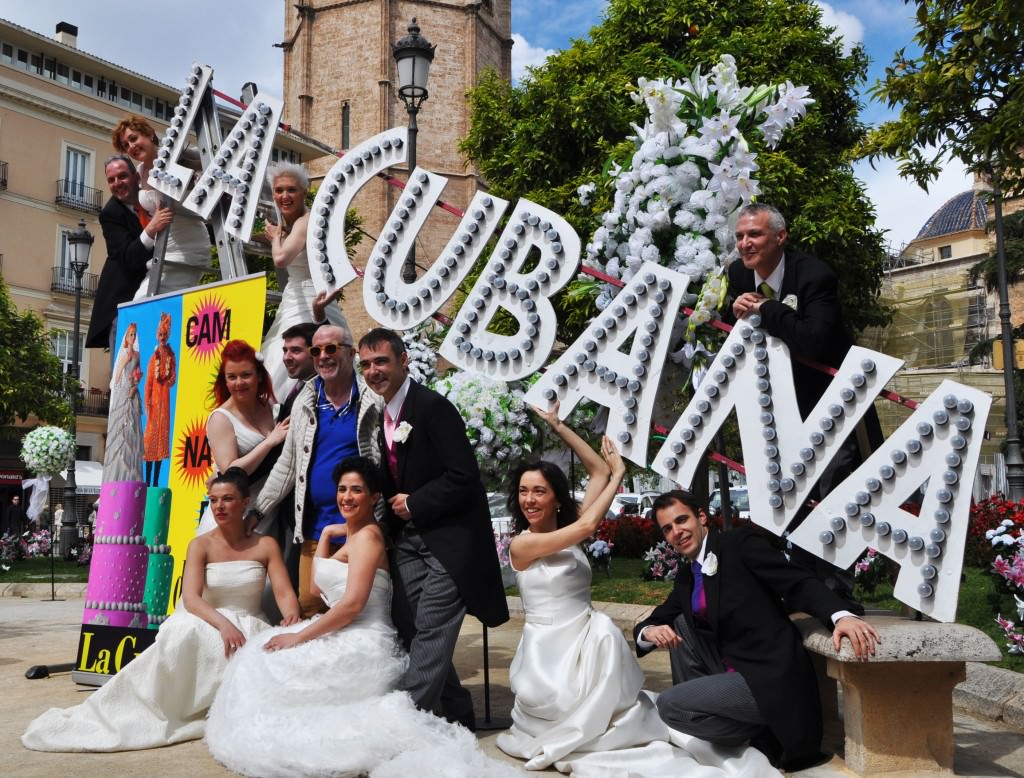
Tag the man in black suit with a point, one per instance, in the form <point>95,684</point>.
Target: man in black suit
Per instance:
<point>299,364</point>
<point>443,560</point>
<point>738,664</point>
<point>130,234</point>
<point>797,297</point>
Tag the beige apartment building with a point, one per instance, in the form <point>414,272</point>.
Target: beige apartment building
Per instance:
<point>58,105</point>
<point>940,314</point>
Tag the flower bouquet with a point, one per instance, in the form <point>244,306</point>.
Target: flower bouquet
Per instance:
<point>48,450</point>
<point>600,554</point>
<point>497,423</point>
<point>691,169</point>
<point>661,563</point>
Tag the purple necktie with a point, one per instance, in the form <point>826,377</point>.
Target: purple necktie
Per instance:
<point>698,600</point>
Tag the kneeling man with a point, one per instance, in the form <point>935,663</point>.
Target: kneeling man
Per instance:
<point>738,664</point>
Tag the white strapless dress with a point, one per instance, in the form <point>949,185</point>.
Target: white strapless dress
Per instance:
<point>580,705</point>
<point>246,439</point>
<point>161,696</point>
<point>296,308</point>
<point>328,707</point>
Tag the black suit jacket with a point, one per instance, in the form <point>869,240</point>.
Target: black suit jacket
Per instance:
<point>747,602</point>
<point>814,329</point>
<point>123,271</point>
<point>437,469</point>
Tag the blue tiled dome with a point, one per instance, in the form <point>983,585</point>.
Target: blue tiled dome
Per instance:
<point>965,211</point>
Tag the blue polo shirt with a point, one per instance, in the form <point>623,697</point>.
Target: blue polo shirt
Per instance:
<point>335,439</point>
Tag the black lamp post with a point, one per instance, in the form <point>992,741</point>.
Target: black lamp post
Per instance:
<point>413,55</point>
<point>1014,459</point>
<point>79,245</point>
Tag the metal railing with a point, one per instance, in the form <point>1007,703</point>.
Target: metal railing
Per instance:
<point>95,402</point>
<point>73,194</point>
<point>64,281</point>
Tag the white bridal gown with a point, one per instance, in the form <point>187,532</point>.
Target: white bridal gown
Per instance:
<point>296,308</point>
<point>327,707</point>
<point>161,696</point>
<point>579,699</point>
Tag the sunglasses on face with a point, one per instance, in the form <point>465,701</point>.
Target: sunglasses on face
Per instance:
<point>330,349</point>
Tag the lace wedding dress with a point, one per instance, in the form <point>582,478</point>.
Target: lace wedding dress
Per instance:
<point>328,706</point>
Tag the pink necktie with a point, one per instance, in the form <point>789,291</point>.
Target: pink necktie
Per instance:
<point>389,439</point>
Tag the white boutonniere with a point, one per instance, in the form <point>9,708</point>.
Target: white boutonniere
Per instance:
<point>790,300</point>
<point>402,432</point>
<point>710,566</point>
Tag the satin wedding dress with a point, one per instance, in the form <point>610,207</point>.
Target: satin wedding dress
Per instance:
<point>296,307</point>
<point>579,702</point>
<point>327,706</point>
<point>161,696</point>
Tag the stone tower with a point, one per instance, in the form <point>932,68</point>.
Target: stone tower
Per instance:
<point>341,87</point>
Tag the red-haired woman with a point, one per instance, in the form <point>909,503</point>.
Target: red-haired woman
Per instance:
<point>241,429</point>
<point>187,256</point>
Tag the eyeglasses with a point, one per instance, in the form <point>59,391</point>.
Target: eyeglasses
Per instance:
<point>330,349</point>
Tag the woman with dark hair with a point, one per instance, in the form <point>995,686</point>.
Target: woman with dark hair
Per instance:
<point>321,692</point>
<point>579,701</point>
<point>187,254</point>
<point>163,695</point>
<point>241,430</point>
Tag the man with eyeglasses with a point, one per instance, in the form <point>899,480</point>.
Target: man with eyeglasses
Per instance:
<point>333,416</point>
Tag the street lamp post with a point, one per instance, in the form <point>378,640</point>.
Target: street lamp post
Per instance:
<point>79,245</point>
<point>1014,460</point>
<point>413,55</point>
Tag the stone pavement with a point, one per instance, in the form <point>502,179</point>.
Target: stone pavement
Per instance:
<point>35,631</point>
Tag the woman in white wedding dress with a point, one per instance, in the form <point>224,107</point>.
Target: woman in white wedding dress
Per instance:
<point>579,701</point>
<point>124,430</point>
<point>162,696</point>
<point>318,698</point>
<point>287,235</point>
<point>187,254</point>
<point>241,430</point>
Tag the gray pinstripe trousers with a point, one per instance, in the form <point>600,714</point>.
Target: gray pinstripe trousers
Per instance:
<point>428,612</point>
<point>706,701</point>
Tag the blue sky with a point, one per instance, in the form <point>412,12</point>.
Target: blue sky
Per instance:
<point>142,41</point>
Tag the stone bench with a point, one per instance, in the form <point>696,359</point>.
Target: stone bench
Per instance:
<point>897,706</point>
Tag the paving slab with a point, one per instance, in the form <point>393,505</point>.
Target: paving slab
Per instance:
<point>34,631</point>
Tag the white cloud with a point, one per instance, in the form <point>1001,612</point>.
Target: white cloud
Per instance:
<point>524,55</point>
<point>902,207</point>
<point>848,27</point>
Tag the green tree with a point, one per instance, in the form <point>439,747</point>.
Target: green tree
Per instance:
<point>33,380</point>
<point>961,97</point>
<point>555,131</point>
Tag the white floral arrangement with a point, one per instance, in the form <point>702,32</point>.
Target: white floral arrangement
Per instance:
<point>48,450</point>
<point>691,171</point>
<point>422,357</point>
<point>497,422</point>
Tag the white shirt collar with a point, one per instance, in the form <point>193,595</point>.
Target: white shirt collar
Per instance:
<point>394,407</point>
<point>774,280</point>
<point>703,549</point>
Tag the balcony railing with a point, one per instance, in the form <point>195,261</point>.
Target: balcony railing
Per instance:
<point>3,174</point>
<point>64,281</point>
<point>94,402</point>
<point>73,194</point>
